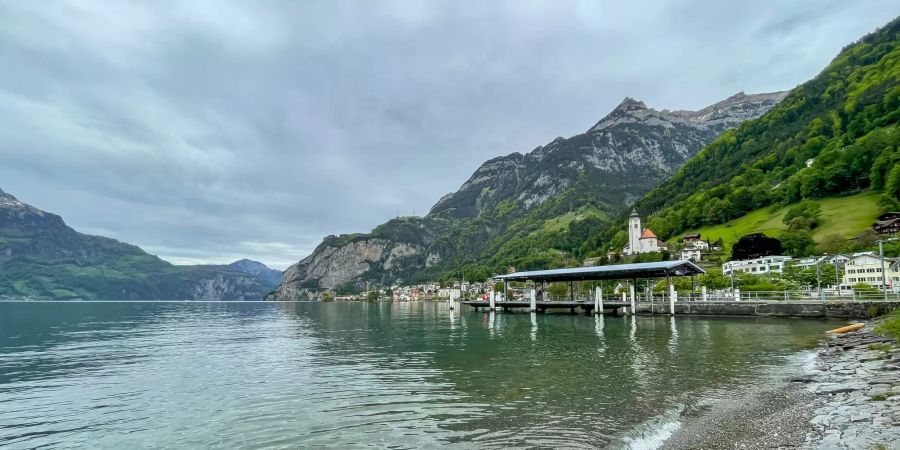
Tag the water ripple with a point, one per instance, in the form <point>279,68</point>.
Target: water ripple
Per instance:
<point>259,375</point>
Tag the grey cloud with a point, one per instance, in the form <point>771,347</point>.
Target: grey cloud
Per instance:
<point>205,131</point>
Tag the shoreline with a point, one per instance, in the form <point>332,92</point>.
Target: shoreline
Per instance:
<point>842,395</point>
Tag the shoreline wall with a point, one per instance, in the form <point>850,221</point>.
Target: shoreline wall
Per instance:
<point>838,310</point>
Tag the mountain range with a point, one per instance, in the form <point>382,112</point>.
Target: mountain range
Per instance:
<point>834,135</point>
<point>43,258</point>
<point>553,196</point>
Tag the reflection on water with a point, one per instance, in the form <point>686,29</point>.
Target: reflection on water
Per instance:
<point>407,375</point>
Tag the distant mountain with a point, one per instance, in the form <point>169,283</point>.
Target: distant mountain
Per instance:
<point>43,258</point>
<point>625,154</point>
<point>258,270</point>
<point>525,210</point>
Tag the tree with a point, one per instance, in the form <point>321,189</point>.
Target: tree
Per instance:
<point>327,297</point>
<point>371,296</point>
<point>892,186</point>
<point>804,215</point>
<point>833,243</point>
<point>755,246</point>
<point>798,242</point>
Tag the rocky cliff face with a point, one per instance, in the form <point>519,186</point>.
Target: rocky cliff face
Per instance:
<point>617,160</point>
<point>383,257</point>
<point>43,258</point>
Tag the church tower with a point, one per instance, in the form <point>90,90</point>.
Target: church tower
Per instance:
<point>634,233</point>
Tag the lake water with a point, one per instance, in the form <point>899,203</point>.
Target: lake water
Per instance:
<point>348,375</point>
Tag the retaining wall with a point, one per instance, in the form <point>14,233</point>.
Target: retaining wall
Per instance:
<point>843,310</point>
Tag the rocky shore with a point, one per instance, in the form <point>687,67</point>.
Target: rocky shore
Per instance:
<point>846,396</point>
<point>858,375</point>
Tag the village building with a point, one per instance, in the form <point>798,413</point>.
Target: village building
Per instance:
<point>591,262</point>
<point>449,293</point>
<point>887,223</point>
<point>693,247</point>
<point>812,261</point>
<point>866,268</point>
<point>756,266</point>
<point>641,240</point>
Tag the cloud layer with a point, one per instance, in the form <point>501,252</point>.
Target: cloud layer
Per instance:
<point>208,131</point>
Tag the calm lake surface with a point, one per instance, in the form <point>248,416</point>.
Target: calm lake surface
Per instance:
<point>347,375</point>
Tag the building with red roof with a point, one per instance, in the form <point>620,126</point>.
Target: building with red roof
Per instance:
<point>641,240</point>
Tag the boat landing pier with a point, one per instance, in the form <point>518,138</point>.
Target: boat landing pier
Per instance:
<point>587,307</point>
<point>622,273</point>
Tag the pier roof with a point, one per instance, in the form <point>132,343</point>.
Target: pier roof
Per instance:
<point>659,269</point>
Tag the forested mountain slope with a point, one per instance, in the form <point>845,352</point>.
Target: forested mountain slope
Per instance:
<point>836,134</point>
<point>43,258</point>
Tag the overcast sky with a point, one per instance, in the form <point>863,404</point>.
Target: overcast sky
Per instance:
<point>208,131</point>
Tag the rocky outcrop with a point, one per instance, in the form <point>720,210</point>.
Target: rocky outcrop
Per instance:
<point>225,287</point>
<point>339,263</point>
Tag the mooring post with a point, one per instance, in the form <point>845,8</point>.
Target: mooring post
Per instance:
<point>631,289</point>
<point>533,299</point>
<point>669,290</point>
<point>506,291</point>
<point>493,297</point>
<point>600,299</point>
<point>625,301</point>
<point>703,293</point>
<point>672,296</point>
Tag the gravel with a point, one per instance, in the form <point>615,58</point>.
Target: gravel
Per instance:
<point>848,399</point>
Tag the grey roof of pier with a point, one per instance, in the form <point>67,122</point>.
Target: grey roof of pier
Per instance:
<point>614,272</point>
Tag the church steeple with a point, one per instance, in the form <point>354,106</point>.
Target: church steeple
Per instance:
<point>634,233</point>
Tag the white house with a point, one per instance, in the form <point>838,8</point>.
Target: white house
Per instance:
<point>812,261</point>
<point>450,293</point>
<point>641,240</point>
<point>692,254</point>
<point>866,268</point>
<point>693,247</point>
<point>766,264</point>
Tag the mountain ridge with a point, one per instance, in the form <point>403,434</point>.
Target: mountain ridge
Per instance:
<point>43,258</point>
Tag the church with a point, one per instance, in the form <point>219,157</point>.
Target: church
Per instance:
<point>641,240</point>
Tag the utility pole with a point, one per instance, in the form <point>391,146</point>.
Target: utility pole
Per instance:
<point>883,273</point>
<point>731,272</point>
<point>837,281</point>
<point>818,281</point>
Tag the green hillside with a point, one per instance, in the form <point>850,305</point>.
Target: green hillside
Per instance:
<point>844,216</point>
<point>836,135</point>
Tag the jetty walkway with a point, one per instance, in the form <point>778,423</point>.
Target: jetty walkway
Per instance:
<point>670,303</point>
